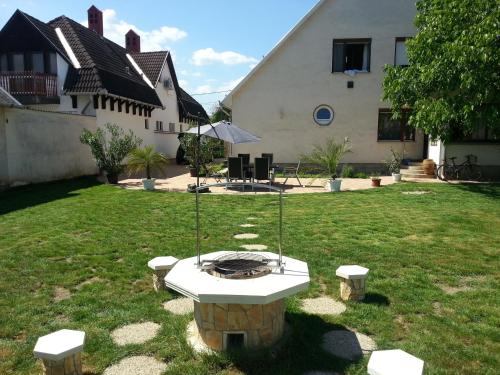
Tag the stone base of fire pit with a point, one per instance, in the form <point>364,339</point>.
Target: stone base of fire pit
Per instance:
<point>231,326</point>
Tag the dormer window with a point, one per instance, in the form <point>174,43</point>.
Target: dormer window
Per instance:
<point>351,55</point>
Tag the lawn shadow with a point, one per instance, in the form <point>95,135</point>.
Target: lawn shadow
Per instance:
<point>376,299</point>
<point>299,351</point>
<point>491,190</point>
<point>22,197</point>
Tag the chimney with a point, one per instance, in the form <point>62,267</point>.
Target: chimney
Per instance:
<point>95,20</point>
<point>132,42</point>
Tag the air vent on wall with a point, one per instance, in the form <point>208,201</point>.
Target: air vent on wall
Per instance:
<point>168,84</point>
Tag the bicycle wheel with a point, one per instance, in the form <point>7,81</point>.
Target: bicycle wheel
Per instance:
<point>446,172</point>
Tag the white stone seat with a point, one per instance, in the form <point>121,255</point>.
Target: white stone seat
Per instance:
<point>352,272</point>
<point>162,263</point>
<point>394,362</point>
<point>59,345</point>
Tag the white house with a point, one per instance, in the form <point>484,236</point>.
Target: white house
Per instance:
<point>324,79</point>
<point>63,67</point>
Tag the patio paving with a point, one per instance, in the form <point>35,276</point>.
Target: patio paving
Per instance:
<point>178,178</point>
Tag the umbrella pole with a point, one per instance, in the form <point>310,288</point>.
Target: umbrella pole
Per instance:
<point>197,196</point>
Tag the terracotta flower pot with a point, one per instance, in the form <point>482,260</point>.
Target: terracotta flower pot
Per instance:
<point>193,172</point>
<point>376,182</point>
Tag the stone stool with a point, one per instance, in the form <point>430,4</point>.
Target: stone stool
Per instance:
<point>161,266</point>
<point>61,352</point>
<point>352,283</point>
<point>394,362</point>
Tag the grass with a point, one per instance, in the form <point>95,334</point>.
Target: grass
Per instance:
<point>60,235</point>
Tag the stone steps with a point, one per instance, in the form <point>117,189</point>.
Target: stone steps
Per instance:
<point>414,170</point>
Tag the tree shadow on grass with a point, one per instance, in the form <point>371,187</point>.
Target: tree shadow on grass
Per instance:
<point>376,299</point>
<point>491,190</point>
<point>297,353</point>
<point>32,195</point>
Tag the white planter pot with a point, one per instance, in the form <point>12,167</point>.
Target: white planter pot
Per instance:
<point>396,177</point>
<point>334,185</point>
<point>149,184</point>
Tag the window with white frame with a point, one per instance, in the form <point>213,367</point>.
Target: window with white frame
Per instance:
<point>159,126</point>
<point>146,123</point>
<point>323,115</point>
<point>351,55</point>
<point>171,127</point>
<point>400,55</point>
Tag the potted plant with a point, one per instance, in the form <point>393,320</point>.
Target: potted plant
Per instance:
<point>394,165</point>
<point>206,151</point>
<point>109,146</point>
<point>376,180</point>
<point>146,159</point>
<point>328,158</point>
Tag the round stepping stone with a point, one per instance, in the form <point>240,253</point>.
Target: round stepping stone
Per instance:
<point>254,247</point>
<point>348,345</point>
<point>137,333</point>
<point>194,339</point>
<point>179,306</point>
<point>137,365</point>
<point>251,218</point>
<point>246,236</point>
<point>323,306</point>
<point>247,225</point>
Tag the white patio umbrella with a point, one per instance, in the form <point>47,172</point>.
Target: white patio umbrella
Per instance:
<point>225,131</point>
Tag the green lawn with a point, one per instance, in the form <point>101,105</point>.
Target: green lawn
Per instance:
<point>62,234</point>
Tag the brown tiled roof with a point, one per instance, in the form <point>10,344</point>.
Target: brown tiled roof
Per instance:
<point>104,65</point>
<point>190,108</point>
<point>151,63</point>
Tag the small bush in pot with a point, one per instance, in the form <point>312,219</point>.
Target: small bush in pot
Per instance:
<point>328,157</point>
<point>394,165</point>
<point>146,160</point>
<point>109,146</point>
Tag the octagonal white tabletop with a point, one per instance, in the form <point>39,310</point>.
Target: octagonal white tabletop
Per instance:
<point>59,344</point>
<point>394,362</point>
<point>352,272</point>
<point>187,279</point>
<point>162,263</point>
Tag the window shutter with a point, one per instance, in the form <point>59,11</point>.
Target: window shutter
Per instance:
<point>338,57</point>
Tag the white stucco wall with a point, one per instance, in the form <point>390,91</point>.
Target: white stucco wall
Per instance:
<point>278,101</point>
<point>436,151</point>
<point>4,170</point>
<point>488,154</point>
<point>44,146</point>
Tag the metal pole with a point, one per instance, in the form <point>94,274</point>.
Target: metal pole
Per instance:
<point>281,227</point>
<point>198,195</point>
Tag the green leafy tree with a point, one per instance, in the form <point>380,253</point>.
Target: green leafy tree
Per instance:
<point>328,156</point>
<point>109,146</point>
<point>146,159</point>
<point>452,83</point>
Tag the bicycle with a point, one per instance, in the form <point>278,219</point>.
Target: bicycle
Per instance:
<point>469,170</point>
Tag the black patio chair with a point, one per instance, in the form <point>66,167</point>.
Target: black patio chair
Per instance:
<point>235,170</point>
<point>261,170</point>
<point>270,157</point>
<point>246,159</point>
<point>292,172</point>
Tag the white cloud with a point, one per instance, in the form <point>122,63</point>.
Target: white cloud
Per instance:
<point>153,40</point>
<point>209,55</point>
<point>231,84</point>
<point>203,89</point>
<point>183,83</point>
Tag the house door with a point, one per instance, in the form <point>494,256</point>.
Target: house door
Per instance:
<point>425,151</point>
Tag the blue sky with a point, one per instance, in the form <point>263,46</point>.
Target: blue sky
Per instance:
<point>214,43</point>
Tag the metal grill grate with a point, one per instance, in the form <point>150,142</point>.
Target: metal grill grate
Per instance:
<point>240,266</point>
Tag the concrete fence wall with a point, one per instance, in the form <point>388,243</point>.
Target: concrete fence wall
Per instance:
<point>38,146</point>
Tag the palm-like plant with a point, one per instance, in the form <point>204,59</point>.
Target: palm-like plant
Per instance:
<point>146,159</point>
<point>328,156</point>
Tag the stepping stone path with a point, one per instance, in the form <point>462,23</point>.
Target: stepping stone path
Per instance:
<point>137,333</point>
<point>137,365</point>
<point>251,218</point>
<point>60,294</point>
<point>348,345</point>
<point>323,306</point>
<point>246,236</point>
<point>247,225</point>
<point>416,192</point>
<point>254,247</point>
<point>179,306</point>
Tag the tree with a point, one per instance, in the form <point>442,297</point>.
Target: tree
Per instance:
<point>109,146</point>
<point>452,83</point>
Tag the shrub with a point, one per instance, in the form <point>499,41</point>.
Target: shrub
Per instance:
<point>328,156</point>
<point>109,146</point>
<point>347,171</point>
<point>146,159</point>
<point>394,163</point>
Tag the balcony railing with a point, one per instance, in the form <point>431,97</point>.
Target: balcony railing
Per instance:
<point>29,83</point>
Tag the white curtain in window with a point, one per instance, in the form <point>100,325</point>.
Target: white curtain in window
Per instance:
<point>401,56</point>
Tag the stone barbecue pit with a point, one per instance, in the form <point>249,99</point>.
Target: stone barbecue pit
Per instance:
<point>238,296</point>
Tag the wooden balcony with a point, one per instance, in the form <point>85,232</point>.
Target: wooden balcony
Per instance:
<point>25,84</point>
